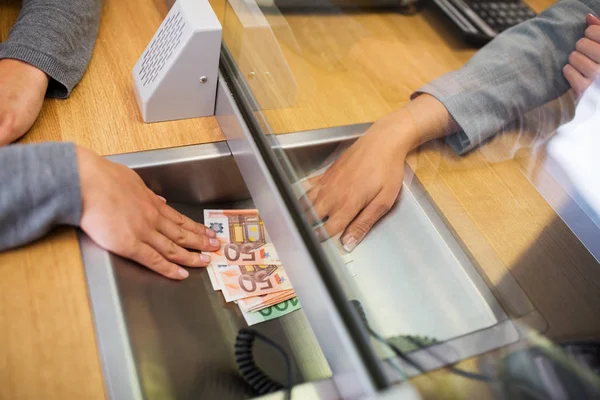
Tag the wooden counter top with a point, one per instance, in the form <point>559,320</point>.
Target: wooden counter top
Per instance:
<point>306,68</point>
<point>102,113</point>
<point>46,327</point>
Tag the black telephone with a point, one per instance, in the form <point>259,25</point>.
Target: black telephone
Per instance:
<point>482,20</point>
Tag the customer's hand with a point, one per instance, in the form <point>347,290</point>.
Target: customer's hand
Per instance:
<point>22,91</point>
<point>123,216</point>
<point>584,62</point>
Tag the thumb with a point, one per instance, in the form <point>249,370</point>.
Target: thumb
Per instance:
<point>591,19</point>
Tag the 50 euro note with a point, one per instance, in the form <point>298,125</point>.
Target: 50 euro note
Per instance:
<point>244,239</point>
<point>242,281</point>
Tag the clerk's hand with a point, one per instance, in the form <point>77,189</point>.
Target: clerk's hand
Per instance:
<point>363,184</point>
<point>123,216</point>
<point>22,91</point>
<point>584,62</point>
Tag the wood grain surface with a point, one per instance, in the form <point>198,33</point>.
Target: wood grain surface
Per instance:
<point>102,113</point>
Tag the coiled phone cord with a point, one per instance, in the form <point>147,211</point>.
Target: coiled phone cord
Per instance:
<point>251,372</point>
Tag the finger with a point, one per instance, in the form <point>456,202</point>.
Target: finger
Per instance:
<point>161,198</point>
<point>315,180</point>
<point>315,208</point>
<point>150,258</point>
<point>185,222</point>
<point>339,220</point>
<point>584,65</point>
<point>305,200</point>
<point>309,183</point>
<point>310,197</point>
<point>318,212</point>
<point>591,19</point>
<point>589,48</point>
<point>372,213</point>
<point>175,253</point>
<point>578,82</point>
<point>313,186</point>
<point>592,32</point>
<point>187,239</point>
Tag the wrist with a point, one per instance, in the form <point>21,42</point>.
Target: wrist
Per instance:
<point>22,91</point>
<point>86,160</point>
<point>34,75</point>
<point>400,131</point>
<point>430,118</point>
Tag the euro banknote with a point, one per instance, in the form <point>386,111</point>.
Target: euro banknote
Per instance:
<point>243,236</point>
<point>241,281</point>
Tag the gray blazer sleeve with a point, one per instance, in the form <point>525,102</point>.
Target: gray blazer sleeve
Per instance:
<point>519,70</point>
<point>39,188</point>
<point>56,36</point>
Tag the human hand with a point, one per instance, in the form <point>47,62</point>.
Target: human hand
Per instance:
<point>22,91</point>
<point>584,62</point>
<point>123,216</point>
<point>363,184</point>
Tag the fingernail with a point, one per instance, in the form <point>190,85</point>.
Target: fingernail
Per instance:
<point>321,233</point>
<point>204,258</point>
<point>183,273</point>
<point>211,233</point>
<point>162,198</point>
<point>349,243</point>
<point>214,242</point>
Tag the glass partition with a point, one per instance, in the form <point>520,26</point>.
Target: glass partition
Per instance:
<point>453,189</point>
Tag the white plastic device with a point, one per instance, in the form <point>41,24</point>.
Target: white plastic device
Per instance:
<point>176,76</point>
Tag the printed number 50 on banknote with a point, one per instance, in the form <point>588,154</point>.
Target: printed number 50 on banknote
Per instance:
<point>241,281</point>
<point>244,239</point>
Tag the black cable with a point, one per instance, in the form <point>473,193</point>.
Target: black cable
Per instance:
<point>361,313</point>
<point>399,353</point>
<point>250,372</point>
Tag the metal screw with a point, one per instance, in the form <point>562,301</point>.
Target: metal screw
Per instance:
<point>251,74</point>
<point>203,79</point>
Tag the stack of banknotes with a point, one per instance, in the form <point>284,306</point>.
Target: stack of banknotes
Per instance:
<point>247,269</point>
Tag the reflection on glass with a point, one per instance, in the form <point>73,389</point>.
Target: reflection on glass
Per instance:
<point>456,245</point>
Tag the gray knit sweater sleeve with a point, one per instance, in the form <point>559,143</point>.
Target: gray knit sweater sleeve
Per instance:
<point>56,36</point>
<point>39,188</point>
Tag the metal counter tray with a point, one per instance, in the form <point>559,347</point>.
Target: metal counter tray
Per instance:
<point>164,339</point>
